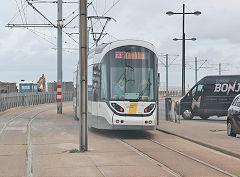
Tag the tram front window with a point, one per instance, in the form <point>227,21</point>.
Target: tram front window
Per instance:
<point>131,83</point>
<point>131,73</point>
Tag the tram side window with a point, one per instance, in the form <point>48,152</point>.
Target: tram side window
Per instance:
<point>90,87</point>
<point>103,82</point>
<point>96,82</point>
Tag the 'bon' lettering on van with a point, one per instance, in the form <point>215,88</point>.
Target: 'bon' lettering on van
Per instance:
<point>227,87</point>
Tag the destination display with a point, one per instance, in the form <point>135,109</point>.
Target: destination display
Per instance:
<point>130,55</point>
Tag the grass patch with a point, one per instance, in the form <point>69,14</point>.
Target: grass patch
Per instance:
<point>74,151</point>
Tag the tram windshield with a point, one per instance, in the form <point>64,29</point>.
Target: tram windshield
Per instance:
<point>132,74</point>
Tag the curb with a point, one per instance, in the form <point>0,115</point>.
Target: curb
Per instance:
<point>224,151</point>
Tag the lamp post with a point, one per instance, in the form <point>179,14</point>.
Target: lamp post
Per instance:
<point>197,13</point>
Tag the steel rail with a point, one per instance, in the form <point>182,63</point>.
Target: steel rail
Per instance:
<point>195,159</point>
<point>17,116</point>
<point>29,148</point>
<point>150,159</point>
<point>29,154</point>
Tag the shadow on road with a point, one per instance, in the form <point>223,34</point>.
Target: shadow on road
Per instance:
<point>221,120</point>
<point>123,134</point>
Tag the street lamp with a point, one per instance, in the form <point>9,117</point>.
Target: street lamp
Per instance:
<point>197,13</point>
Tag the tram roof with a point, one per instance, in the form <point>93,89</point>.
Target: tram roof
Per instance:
<point>112,45</point>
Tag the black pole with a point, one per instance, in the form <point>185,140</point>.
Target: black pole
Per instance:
<point>183,54</point>
<point>183,44</point>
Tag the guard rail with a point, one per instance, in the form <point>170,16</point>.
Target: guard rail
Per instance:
<point>12,100</point>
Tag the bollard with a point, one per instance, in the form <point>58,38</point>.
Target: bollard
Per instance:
<point>168,103</point>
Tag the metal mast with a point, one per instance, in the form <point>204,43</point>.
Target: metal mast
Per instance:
<point>59,58</point>
<point>166,74</point>
<point>83,52</point>
<point>183,53</point>
<point>196,70</point>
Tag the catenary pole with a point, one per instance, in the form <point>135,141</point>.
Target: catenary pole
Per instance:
<point>83,47</point>
<point>166,74</point>
<point>220,69</point>
<point>196,69</point>
<point>183,53</point>
<point>59,58</point>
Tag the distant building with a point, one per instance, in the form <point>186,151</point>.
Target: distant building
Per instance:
<point>67,86</point>
<point>26,87</point>
<point>6,87</point>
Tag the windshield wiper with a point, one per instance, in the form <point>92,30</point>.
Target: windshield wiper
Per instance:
<point>145,88</point>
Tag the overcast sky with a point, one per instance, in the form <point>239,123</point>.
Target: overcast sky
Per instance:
<point>26,54</point>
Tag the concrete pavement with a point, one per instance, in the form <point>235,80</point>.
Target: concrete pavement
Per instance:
<point>54,135</point>
<point>213,135</point>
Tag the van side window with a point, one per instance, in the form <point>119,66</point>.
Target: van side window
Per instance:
<point>194,91</point>
<point>200,89</point>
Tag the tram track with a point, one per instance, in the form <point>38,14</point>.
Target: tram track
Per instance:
<point>195,159</point>
<point>207,145</point>
<point>29,146</point>
<point>167,168</point>
<point>15,117</point>
<point>29,120</point>
<point>156,162</point>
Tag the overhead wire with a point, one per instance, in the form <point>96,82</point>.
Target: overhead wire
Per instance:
<point>114,4</point>
<point>24,14</point>
<point>112,36</point>
<point>16,14</point>
<point>36,33</point>
<point>178,9</point>
<point>71,14</point>
<point>188,9</point>
<point>104,13</point>
<point>19,11</point>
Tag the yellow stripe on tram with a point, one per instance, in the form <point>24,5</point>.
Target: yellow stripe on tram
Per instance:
<point>133,108</point>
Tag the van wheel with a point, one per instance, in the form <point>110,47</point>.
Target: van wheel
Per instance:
<point>230,129</point>
<point>187,114</point>
<point>204,117</point>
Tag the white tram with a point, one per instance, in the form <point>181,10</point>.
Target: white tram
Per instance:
<point>122,86</point>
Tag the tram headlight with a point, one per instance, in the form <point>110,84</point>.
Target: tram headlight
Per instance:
<point>149,108</point>
<point>117,107</point>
